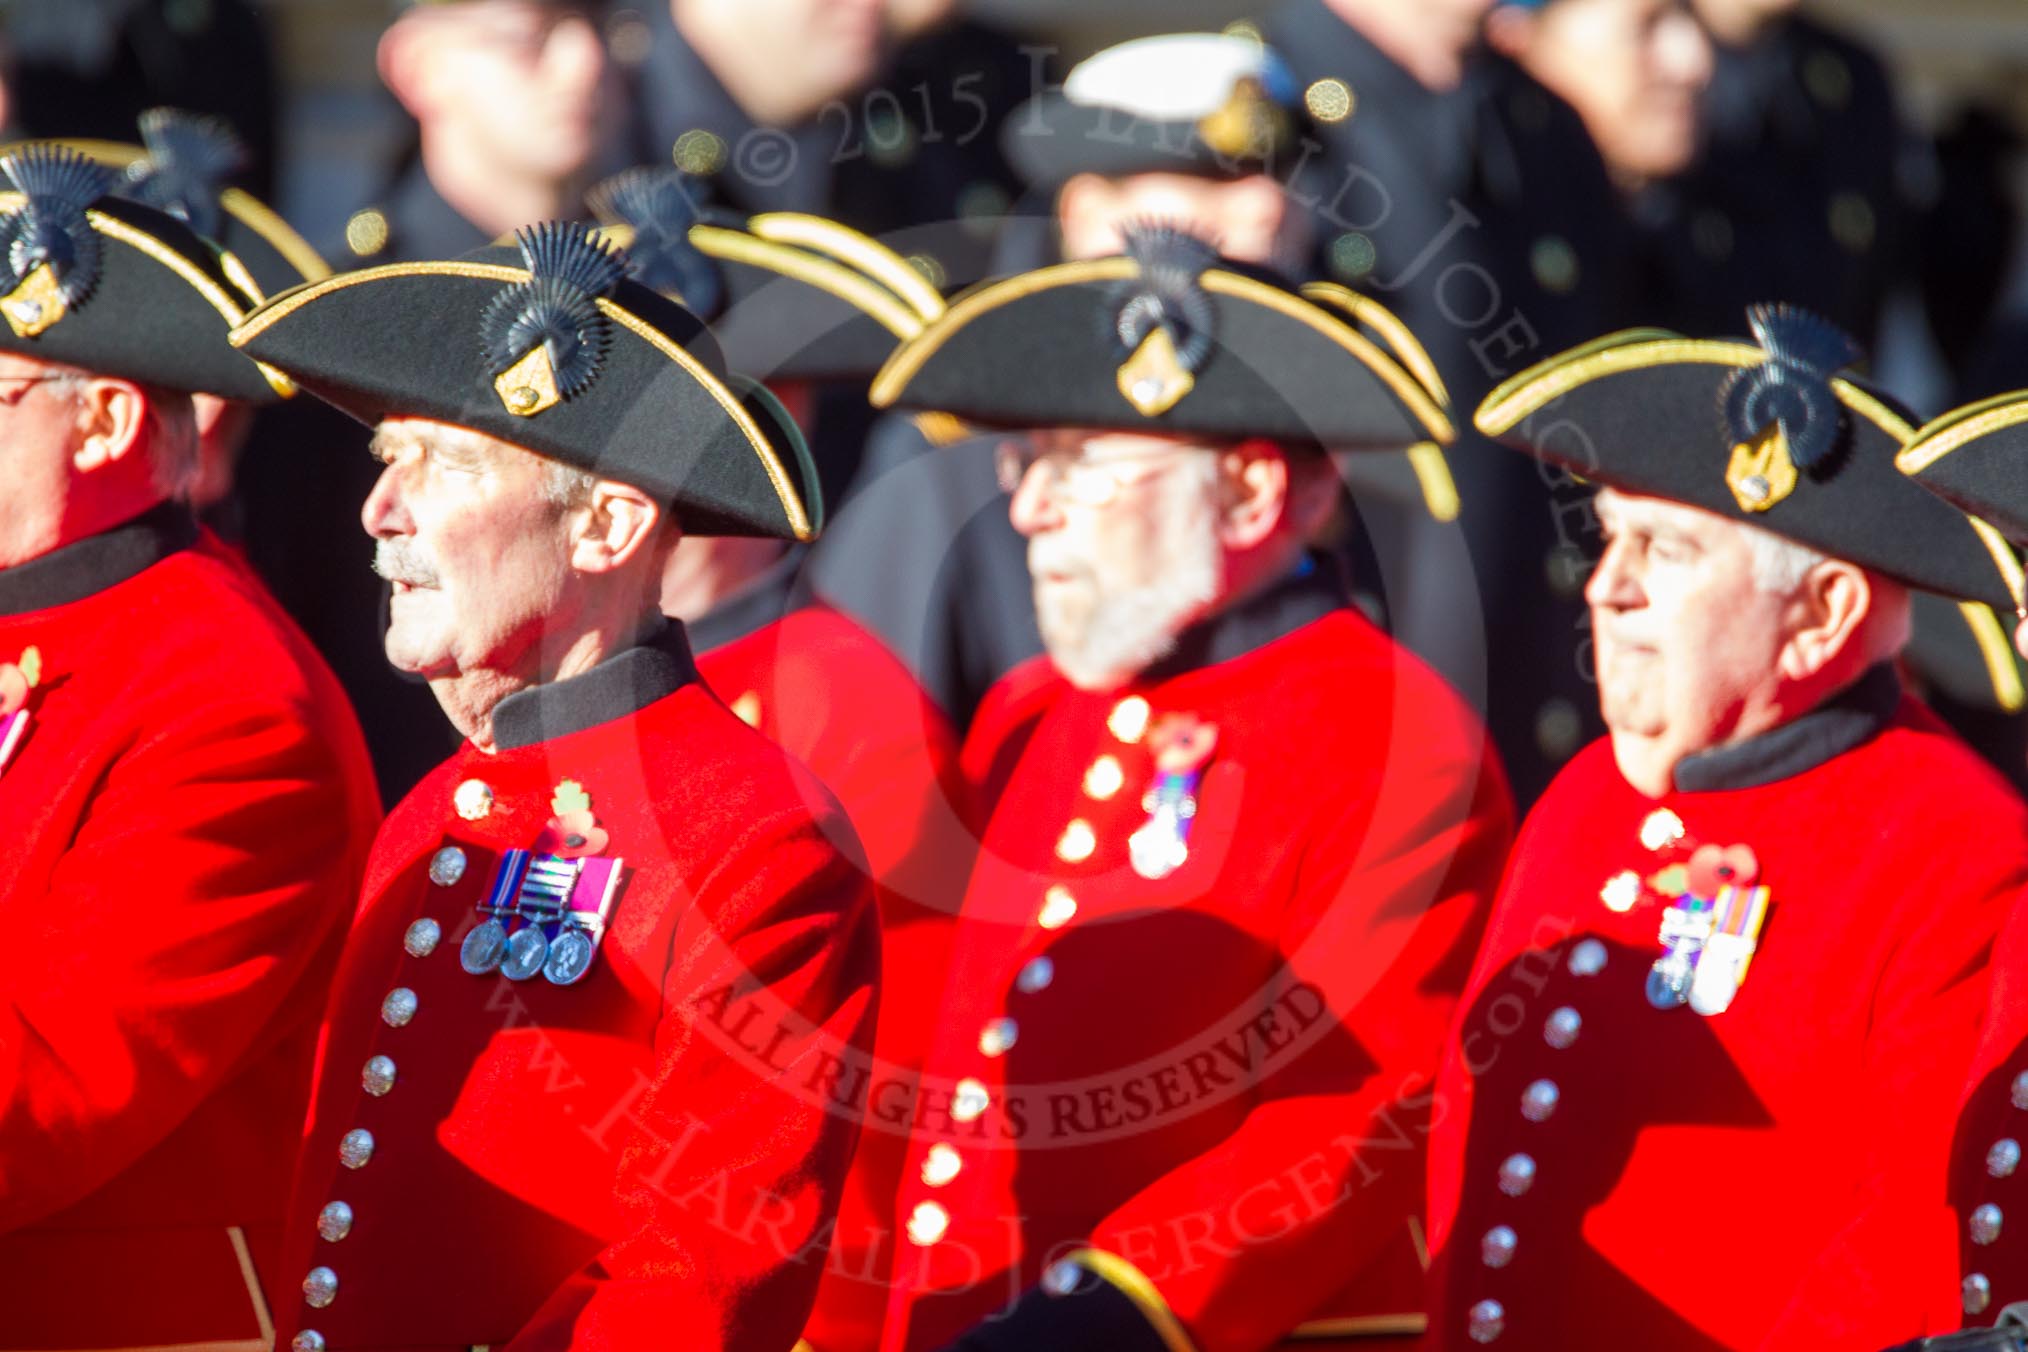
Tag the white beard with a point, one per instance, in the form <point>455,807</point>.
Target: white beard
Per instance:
<point>1121,632</point>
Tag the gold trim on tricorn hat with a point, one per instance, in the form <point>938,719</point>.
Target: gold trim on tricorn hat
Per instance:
<point>1166,338</point>
<point>1774,432</point>
<point>562,355</point>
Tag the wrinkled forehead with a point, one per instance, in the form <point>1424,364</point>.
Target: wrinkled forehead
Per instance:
<point>397,434</point>
<point>1104,443</point>
<point>1622,511</point>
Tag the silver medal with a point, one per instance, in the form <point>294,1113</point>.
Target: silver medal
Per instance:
<point>527,949</point>
<point>1669,980</point>
<point>483,948</point>
<point>569,957</point>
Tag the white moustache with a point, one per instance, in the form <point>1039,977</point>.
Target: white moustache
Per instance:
<point>1052,554</point>
<point>401,560</point>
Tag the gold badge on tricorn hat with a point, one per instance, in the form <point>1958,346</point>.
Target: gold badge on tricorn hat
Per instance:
<point>1152,379</point>
<point>50,253</point>
<point>1784,418</point>
<point>545,339</point>
<point>1760,472</point>
<point>1163,319</point>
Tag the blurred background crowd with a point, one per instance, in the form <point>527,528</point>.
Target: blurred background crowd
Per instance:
<point>1510,178</point>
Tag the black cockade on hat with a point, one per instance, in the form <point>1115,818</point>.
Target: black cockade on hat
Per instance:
<point>658,206</point>
<point>190,157</point>
<point>1792,388</point>
<point>545,339</point>
<point>52,254</point>
<point>1164,323</point>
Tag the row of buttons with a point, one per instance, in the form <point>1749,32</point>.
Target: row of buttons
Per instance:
<point>377,1076</point>
<point>1487,1319</point>
<point>929,1221</point>
<point>1984,1223</point>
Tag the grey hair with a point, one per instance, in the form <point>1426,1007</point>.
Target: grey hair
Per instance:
<point>173,442</point>
<point>172,434</point>
<point>1780,564</point>
<point>567,486</point>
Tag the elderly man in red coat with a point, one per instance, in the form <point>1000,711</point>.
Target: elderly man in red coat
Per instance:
<point>815,307</point>
<point>578,1079</point>
<point>1711,1049</point>
<point>1239,850</point>
<point>187,800</point>
<point>1973,457</point>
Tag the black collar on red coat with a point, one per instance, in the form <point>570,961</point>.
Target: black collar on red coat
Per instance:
<point>1305,595</point>
<point>1842,723</point>
<point>774,592</point>
<point>622,685</point>
<point>87,567</point>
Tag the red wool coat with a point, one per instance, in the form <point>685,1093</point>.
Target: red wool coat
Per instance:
<point>645,1157</point>
<point>1609,1173</point>
<point>188,809</point>
<point>1212,1067</point>
<point>819,685</point>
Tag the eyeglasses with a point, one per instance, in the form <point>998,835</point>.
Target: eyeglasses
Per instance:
<point>13,387</point>
<point>1070,474</point>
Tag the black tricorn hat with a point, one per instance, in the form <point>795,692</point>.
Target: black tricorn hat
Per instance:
<point>181,168</point>
<point>1976,458</point>
<point>1766,432</point>
<point>550,347</point>
<point>1168,339</point>
<point>828,307</point>
<point>113,287</point>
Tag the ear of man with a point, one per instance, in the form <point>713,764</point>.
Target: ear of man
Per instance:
<point>1828,614</point>
<point>112,417</point>
<point>1255,484</point>
<point>617,526</point>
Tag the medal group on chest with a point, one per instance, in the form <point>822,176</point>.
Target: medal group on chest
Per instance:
<point>1712,911</point>
<point>1179,745</point>
<point>547,906</point>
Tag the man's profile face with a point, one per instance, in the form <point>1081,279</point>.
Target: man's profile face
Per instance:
<point>1635,70</point>
<point>473,544</point>
<point>819,49</point>
<point>523,82</point>
<point>1681,631</point>
<point>1124,548</point>
<point>40,431</point>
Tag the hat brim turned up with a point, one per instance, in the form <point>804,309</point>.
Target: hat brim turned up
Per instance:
<point>262,252</point>
<point>793,315</point>
<point>1041,350</point>
<point>1643,411</point>
<point>1976,458</point>
<point>662,412</point>
<point>158,312</point>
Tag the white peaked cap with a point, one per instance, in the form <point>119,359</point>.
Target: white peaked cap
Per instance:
<point>1177,77</point>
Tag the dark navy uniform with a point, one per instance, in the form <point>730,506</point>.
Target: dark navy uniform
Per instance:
<point>1483,217</point>
<point>919,149</point>
<point>1799,194</point>
<point>411,222</point>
